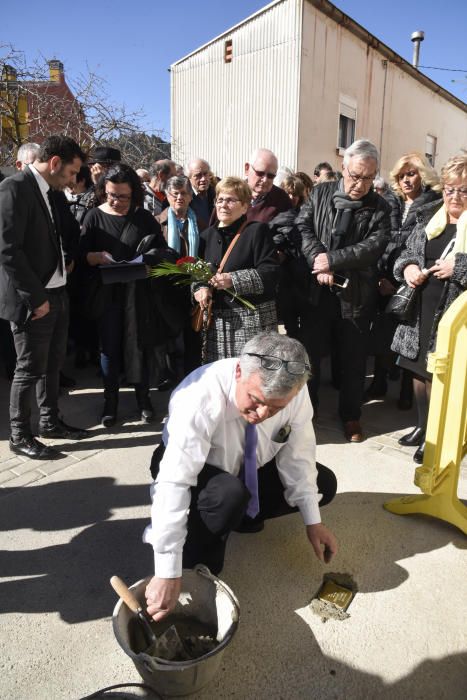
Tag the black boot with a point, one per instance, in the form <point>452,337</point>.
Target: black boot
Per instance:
<point>109,412</point>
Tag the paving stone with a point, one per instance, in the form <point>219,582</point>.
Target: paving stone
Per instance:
<point>10,463</point>
<point>24,479</point>
<point>6,476</point>
<point>399,454</point>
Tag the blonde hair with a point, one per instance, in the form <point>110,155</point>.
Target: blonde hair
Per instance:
<point>237,186</point>
<point>456,167</point>
<point>426,171</point>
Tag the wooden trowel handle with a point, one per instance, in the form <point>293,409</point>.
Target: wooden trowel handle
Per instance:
<point>122,590</point>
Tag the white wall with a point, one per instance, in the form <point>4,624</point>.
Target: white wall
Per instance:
<point>222,112</point>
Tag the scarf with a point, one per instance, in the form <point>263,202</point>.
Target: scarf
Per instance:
<point>438,223</point>
<point>174,235</point>
<point>345,208</point>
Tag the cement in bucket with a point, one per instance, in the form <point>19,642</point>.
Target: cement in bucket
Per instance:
<point>206,602</point>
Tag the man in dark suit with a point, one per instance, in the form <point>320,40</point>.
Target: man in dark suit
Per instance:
<point>33,260</point>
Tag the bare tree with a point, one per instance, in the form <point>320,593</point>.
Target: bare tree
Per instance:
<point>36,101</point>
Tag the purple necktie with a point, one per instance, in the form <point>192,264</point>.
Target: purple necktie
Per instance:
<point>250,469</point>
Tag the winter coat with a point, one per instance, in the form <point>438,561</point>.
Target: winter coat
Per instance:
<point>357,260</point>
<point>295,277</point>
<point>401,231</point>
<point>407,336</point>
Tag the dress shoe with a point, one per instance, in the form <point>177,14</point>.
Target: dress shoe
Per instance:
<point>376,390</point>
<point>145,406</point>
<point>30,447</point>
<point>66,382</point>
<point>419,454</point>
<point>62,431</point>
<point>250,525</point>
<point>109,412</point>
<point>353,431</point>
<point>416,437</point>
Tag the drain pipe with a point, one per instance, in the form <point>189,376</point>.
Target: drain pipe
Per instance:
<point>417,38</point>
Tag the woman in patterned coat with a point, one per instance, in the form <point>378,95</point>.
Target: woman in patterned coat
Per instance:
<point>251,271</point>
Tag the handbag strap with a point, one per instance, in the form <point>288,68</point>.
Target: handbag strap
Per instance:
<point>229,249</point>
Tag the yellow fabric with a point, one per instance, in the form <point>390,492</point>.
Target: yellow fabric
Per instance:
<point>438,223</point>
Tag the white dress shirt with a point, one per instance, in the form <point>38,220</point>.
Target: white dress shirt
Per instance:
<point>58,279</point>
<point>205,426</point>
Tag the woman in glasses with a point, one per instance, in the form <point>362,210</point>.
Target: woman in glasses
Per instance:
<point>414,185</point>
<point>251,271</point>
<point>435,259</point>
<point>118,230</point>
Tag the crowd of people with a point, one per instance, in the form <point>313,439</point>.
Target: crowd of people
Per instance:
<point>322,255</point>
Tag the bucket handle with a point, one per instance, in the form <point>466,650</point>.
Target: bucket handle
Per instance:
<point>204,571</point>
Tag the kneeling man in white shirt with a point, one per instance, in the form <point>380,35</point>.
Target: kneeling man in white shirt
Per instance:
<point>238,448</point>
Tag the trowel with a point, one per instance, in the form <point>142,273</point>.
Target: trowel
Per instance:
<point>166,647</point>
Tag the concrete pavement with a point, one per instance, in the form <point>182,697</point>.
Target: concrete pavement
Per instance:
<point>67,526</point>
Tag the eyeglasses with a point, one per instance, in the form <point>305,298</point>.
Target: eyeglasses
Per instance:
<point>263,173</point>
<point>451,191</point>
<point>229,201</point>
<point>358,178</point>
<point>409,173</point>
<point>274,363</point>
<point>118,197</point>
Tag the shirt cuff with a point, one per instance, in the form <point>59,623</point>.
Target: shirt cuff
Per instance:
<point>168,564</point>
<point>310,512</point>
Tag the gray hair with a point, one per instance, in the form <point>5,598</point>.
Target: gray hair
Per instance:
<point>189,166</point>
<point>179,182</point>
<point>274,382</point>
<point>27,153</point>
<point>380,182</point>
<point>162,167</point>
<point>282,173</point>
<point>361,149</point>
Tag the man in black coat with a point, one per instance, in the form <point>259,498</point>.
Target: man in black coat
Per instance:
<point>34,256</point>
<point>345,228</point>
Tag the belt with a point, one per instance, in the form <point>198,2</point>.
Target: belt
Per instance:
<point>55,290</point>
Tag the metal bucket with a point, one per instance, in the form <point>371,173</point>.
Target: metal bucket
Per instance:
<point>204,599</point>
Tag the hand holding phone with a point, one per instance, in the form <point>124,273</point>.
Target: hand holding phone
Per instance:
<point>340,281</point>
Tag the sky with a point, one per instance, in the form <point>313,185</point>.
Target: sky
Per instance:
<point>132,45</point>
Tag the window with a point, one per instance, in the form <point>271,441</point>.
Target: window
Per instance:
<point>347,121</point>
<point>430,148</point>
<point>228,51</point>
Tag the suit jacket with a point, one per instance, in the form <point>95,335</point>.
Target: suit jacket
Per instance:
<point>29,249</point>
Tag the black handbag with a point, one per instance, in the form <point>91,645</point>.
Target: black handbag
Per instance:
<point>402,304</point>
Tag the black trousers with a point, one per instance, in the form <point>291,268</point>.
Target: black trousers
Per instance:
<point>40,354</point>
<point>324,329</point>
<point>219,502</point>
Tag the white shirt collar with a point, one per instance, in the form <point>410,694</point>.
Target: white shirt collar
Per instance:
<point>41,181</point>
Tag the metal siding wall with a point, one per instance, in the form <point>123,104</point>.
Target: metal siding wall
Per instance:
<point>223,111</point>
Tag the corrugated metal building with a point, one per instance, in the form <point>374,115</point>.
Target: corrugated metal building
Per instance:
<point>303,79</point>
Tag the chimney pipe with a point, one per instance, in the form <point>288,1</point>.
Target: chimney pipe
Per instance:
<point>417,38</point>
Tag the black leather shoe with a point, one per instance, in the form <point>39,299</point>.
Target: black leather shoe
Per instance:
<point>419,454</point>
<point>250,525</point>
<point>145,406</point>
<point>30,447</point>
<point>109,412</point>
<point>62,431</point>
<point>416,437</point>
<point>66,382</point>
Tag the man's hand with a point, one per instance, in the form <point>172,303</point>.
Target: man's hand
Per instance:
<point>321,263</point>
<point>414,276</point>
<point>162,595</point>
<point>41,311</point>
<point>326,278</point>
<point>386,288</point>
<point>323,542</point>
